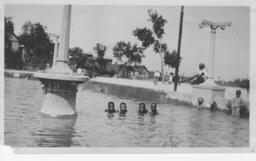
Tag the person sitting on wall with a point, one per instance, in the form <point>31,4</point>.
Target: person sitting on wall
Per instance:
<point>154,109</point>
<point>235,104</point>
<point>201,76</point>
<point>111,107</point>
<point>142,108</point>
<point>198,78</point>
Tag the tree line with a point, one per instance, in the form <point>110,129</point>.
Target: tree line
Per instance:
<point>39,47</point>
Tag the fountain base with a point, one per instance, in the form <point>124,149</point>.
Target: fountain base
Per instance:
<point>60,90</point>
<point>208,91</point>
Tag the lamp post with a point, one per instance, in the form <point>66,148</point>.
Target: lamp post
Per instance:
<point>213,26</point>
<point>209,90</point>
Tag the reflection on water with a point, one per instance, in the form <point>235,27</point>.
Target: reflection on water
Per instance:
<point>175,126</point>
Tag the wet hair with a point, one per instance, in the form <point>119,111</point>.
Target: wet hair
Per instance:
<point>238,92</point>
<point>201,66</point>
<point>111,103</point>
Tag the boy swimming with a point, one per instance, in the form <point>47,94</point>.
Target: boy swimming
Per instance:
<point>142,108</point>
<point>111,107</point>
<point>154,109</point>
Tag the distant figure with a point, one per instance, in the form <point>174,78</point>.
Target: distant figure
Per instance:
<point>142,108</point>
<point>111,107</point>
<point>157,75</point>
<point>201,76</point>
<point>200,102</point>
<point>235,104</point>
<point>213,106</point>
<point>123,109</point>
<point>153,109</point>
<point>170,78</point>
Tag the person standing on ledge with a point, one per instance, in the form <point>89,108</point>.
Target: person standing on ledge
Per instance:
<point>157,75</point>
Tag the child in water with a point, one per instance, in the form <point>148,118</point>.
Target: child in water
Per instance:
<point>123,109</point>
<point>235,104</point>
<point>111,107</point>
<point>154,109</point>
<point>142,108</point>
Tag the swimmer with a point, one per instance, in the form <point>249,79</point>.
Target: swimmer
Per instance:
<point>123,108</point>
<point>154,109</point>
<point>214,106</point>
<point>142,108</point>
<point>111,107</point>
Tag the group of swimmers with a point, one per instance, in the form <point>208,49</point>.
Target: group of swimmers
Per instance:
<point>123,109</point>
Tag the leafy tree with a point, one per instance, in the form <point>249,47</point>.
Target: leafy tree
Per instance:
<point>77,58</point>
<point>172,58</point>
<point>37,44</point>
<point>9,28</point>
<point>100,50</point>
<point>128,54</point>
<point>154,36</point>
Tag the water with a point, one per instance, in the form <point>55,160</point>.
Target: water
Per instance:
<point>175,126</point>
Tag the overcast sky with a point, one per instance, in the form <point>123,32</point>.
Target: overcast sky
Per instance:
<point>110,24</point>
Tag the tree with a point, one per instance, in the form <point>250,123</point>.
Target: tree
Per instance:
<point>171,59</point>
<point>100,50</point>
<point>37,44</point>
<point>77,58</point>
<point>128,54</point>
<point>154,36</point>
<point>9,29</point>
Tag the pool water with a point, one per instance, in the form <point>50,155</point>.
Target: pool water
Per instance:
<point>175,126</point>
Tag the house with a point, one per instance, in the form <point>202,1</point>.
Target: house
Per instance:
<point>14,42</point>
<point>130,72</point>
<point>139,72</point>
<point>13,51</point>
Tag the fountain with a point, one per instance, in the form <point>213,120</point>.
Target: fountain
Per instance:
<point>209,90</point>
<point>59,82</point>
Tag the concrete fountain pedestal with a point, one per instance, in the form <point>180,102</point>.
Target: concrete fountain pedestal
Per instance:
<point>59,83</point>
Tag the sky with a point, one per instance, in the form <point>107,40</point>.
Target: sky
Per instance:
<point>110,24</point>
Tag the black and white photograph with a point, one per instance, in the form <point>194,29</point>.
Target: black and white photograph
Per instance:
<point>126,76</point>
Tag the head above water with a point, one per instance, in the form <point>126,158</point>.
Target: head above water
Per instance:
<point>238,93</point>
<point>153,106</point>
<point>111,106</point>
<point>142,105</point>
<point>123,107</point>
<point>201,66</point>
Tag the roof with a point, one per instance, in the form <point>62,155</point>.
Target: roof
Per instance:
<point>139,68</point>
<point>12,37</point>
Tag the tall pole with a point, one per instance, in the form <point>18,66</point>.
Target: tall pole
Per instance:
<point>178,50</point>
<point>62,54</point>
<point>213,26</point>
<point>211,60</point>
